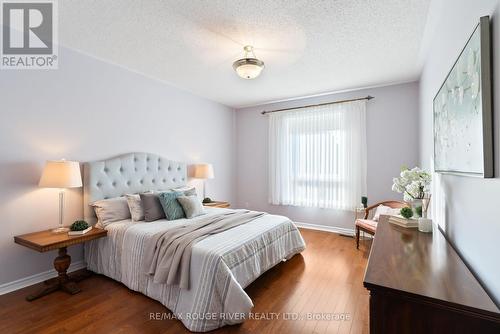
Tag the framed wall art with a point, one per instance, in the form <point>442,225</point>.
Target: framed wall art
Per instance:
<point>463,128</point>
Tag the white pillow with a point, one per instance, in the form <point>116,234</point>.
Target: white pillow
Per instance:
<point>187,190</point>
<point>385,210</point>
<point>135,207</point>
<point>191,205</point>
<point>111,210</point>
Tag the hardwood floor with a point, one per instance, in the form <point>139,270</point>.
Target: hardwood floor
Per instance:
<point>326,278</point>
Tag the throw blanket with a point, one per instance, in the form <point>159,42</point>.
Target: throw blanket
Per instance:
<point>168,254</point>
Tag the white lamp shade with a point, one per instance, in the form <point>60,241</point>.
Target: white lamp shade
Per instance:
<point>203,171</point>
<point>61,174</point>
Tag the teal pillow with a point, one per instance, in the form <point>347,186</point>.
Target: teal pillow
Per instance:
<point>173,210</point>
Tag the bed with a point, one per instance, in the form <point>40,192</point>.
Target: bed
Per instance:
<point>221,266</point>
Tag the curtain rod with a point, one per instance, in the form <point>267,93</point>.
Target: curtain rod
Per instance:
<point>319,105</point>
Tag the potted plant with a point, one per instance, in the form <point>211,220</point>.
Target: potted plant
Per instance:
<point>406,212</point>
<point>79,227</point>
<point>414,185</point>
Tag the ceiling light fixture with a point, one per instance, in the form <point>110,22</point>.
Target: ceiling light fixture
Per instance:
<point>248,67</point>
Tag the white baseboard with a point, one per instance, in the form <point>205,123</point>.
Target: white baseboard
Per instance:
<point>338,230</point>
<point>37,278</point>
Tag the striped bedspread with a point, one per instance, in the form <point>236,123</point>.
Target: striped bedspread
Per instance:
<point>221,266</point>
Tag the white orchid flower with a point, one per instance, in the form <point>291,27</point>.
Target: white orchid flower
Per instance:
<point>413,183</point>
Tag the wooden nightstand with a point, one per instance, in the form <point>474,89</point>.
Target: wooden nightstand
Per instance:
<point>47,240</point>
<point>217,204</point>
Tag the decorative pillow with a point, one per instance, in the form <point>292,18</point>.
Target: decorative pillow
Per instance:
<point>385,210</point>
<point>151,207</point>
<point>191,205</point>
<point>190,192</point>
<point>187,190</point>
<point>111,210</point>
<point>135,207</point>
<point>173,210</point>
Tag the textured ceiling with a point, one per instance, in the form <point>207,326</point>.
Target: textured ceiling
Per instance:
<point>308,46</point>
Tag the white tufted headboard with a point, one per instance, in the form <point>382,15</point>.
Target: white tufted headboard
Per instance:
<point>128,174</point>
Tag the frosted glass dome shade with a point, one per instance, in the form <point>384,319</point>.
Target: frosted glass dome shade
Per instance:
<point>248,68</point>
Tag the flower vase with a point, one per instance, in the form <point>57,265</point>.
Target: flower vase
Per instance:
<point>416,206</point>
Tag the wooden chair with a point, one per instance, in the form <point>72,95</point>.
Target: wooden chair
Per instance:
<point>368,225</point>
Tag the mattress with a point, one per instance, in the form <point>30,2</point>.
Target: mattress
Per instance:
<point>221,266</point>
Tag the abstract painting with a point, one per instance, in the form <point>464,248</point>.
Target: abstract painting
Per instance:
<point>463,139</point>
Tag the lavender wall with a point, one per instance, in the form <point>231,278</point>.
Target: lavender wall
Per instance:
<point>465,207</point>
<point>89,110</point>
<point>392,128</point>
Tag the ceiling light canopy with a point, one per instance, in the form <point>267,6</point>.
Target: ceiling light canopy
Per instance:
<point>248,67</point>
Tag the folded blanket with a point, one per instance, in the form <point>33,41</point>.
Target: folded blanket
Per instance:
<point>168,253</point>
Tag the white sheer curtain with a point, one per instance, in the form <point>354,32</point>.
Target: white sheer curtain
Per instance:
<point>317,156</point>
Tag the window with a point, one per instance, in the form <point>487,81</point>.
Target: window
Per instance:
<point>317,156</point>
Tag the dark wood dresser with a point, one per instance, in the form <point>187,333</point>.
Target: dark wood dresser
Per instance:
<point>419,284</point>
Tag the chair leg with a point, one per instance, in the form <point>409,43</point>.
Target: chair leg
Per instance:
<point>357,237</point>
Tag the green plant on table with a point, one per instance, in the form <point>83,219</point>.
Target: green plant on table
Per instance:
<point>79,225</point>
<point>406,212</point>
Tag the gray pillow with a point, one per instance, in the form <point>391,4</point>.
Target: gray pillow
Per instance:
<point>111,210</point>
<point>191,205</point>
<point>151,207</point>
<point>173,210</point>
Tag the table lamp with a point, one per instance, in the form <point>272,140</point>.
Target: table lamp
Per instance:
<point>204,171</point>
<point>61,174</point>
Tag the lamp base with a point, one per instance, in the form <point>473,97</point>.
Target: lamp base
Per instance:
<point>60,230</point>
